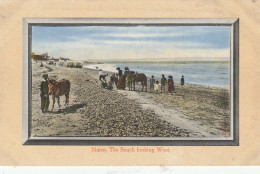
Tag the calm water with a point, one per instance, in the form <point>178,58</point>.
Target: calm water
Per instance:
<point>209,74</point>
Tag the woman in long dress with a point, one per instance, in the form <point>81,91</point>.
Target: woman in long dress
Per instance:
<point>170,84</point>
<point>122,82</point>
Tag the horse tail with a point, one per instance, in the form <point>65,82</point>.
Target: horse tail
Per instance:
<point>68,86</point>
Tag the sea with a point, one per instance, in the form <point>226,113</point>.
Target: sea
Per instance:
<point>207,73</point>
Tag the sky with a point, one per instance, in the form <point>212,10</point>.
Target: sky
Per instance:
<point>135,42</point>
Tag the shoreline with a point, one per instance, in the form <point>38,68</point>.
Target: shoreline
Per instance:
<point>175,82</point>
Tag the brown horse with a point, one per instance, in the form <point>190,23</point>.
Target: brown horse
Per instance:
<point>57,89</point>
<point>141,78</point>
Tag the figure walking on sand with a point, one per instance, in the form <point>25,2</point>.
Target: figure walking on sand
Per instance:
<point>171,87</point>
<point>152,82</point>
<point>44,94</point>
<point>130,80</point>
<point>182,81</point>
<point>163,83</point>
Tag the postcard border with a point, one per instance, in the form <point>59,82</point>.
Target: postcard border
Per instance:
<point>119,141</point>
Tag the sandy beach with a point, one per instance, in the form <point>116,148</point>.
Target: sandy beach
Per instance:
<point>192,111</point>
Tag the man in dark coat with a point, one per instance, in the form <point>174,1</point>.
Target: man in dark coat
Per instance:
<point>182,80</point>
<point>120,72</point>
<point>44,94</point>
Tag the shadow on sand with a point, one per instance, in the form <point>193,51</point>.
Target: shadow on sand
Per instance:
<point>68,109</point>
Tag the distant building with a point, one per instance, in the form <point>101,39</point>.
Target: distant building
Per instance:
<point>54,59</point>
<point>39,57</point>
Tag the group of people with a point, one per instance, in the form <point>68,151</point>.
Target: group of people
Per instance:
<point>156,86</point>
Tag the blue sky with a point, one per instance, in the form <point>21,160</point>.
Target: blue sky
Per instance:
<point>137,42</point>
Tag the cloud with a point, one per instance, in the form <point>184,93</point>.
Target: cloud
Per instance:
<point>128,50</point>
<point>132,42</point>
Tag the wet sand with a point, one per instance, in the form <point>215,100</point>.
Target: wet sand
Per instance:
<point>193,111</point>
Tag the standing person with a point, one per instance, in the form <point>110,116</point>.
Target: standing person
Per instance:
<point>152,82</point>
<point>182,81</point>
<point>163,82</point>
<point>130,80</point>
<point>122,81</point>
<point>171,85</point>
<point>120,72</point>
<point>44,94</point>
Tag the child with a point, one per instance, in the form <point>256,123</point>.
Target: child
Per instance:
<point>156,86</point>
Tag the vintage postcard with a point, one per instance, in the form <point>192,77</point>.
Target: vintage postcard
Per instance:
<point>164,81</point>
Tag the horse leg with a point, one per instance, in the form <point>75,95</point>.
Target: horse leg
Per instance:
<point>146,86</point>
<point>67,99</point>
<point>59,101</point>
<point>53,101</point>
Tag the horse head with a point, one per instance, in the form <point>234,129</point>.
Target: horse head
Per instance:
<point>51,85</point>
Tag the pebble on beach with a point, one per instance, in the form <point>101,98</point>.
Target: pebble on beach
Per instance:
<point>94,111</point>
